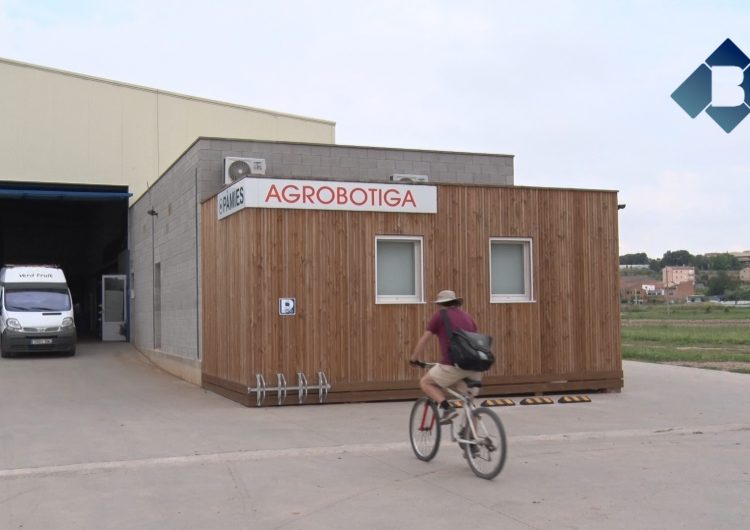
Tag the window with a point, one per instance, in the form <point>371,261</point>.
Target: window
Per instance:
<point>510,270</point>
<point>398,269</point>
<point>30,299</point>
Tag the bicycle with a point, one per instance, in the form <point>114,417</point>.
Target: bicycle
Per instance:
<point>481,435</point>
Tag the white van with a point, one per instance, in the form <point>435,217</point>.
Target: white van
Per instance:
<point>36,311</point>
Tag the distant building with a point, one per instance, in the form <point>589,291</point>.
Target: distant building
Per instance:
<point>743,257</point>
<point>745,274</point>
<point>672,276</point>
<point>682,292</point>
<point>653,289</point>
<point>639,289</point>
<point>635,289</point>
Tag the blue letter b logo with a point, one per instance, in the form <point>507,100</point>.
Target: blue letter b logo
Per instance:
<point>721,87</point>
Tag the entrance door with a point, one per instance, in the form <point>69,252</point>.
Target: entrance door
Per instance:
<point>113,307</point>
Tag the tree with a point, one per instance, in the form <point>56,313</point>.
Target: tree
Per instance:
<point>740,293</point>
<point>702,262</point>
<point>634,259</point>
<point>677,258</point>
<point>724,262</point>
<point>721,283</point>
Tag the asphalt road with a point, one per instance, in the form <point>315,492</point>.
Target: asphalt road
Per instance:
<point>105,440</point>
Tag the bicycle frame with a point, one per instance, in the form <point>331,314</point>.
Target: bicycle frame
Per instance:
<point>467,408</point>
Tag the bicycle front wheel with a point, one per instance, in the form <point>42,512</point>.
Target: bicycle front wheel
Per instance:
<point>424,429</point>
<point>486,456</point>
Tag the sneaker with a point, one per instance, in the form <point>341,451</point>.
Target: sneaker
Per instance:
<point>448,415</point>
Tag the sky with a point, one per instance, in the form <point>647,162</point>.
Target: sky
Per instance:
<point>578,91</point>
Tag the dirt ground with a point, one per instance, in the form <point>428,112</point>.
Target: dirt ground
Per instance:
<point>727,366</point>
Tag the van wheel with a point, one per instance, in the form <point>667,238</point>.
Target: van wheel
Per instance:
<point>71,353</point>
<point>5,354</point>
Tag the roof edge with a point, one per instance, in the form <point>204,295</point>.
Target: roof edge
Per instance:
<point>158,91</point>
<point>349,146</point>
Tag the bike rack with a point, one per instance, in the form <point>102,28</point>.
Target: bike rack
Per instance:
<point>303,388</point>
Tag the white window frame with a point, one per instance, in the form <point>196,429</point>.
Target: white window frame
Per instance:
<point>417,298</point>
<point>528,271</point>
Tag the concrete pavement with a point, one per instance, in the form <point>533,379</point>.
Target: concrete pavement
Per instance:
<point>106,440</point>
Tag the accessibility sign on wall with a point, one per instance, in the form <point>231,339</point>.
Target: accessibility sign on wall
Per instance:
<point>326,195</point>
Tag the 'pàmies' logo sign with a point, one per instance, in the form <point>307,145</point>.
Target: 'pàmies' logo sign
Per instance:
<point>231,200</point>
<point>326,195</point>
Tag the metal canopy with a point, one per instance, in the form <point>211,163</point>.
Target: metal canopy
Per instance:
<point>87,194</point>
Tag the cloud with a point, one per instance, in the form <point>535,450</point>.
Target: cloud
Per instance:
<point>578,91</point>
<point>685,210</point>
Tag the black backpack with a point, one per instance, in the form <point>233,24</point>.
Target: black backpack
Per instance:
<point>468,350</point>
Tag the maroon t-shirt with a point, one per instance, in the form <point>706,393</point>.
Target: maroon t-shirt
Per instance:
<point>459,319</point>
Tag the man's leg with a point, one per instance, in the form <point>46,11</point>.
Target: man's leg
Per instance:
<point>432,384</point>
<point>431,388</point>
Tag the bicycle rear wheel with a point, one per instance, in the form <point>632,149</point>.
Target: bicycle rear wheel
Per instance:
<point>486,456</point>
<point>424,429</point>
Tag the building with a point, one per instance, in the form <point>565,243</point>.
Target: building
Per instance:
<point>230,279</point>
<point>672,276</point>
<point>78,150</point>
<point>743,257</point>
<point>169,239</point>
<point>682,292</point>
<point>639,289</point>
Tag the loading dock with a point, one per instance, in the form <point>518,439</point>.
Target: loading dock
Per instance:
<point>82,229</point>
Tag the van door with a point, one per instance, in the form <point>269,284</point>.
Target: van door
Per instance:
<point>114,308</point>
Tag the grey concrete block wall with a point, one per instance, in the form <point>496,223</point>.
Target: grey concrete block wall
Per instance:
<point>371,164</point>
<point>174,242</point>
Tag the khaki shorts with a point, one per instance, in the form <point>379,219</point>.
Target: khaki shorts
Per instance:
<point>445,376</point>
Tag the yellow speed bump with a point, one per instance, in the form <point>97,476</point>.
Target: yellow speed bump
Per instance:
<point>498,403</point>
<point>574,399</point>
<point>537,401</point>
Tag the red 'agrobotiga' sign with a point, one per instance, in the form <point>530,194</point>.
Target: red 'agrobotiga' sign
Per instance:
<point>326,195</point>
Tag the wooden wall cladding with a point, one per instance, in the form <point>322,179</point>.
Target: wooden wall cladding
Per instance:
<point>569,336</point>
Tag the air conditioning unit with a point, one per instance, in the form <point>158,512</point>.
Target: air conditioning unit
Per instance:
<point>236,168</point>
<point>403,177</point>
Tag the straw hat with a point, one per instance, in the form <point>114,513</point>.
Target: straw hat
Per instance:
<point>446,296</point>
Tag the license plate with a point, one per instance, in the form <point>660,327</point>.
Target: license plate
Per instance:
<point>41,341</point>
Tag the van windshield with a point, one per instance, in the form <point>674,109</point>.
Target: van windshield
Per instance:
<point>37,300</point>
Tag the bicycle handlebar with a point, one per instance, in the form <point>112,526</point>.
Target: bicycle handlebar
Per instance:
<point>421,364</point>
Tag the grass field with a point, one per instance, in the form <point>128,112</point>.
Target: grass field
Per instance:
<point>695,335</point>
<point>685,312</point>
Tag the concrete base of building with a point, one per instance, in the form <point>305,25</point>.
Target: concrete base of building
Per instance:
<point>186,369</point>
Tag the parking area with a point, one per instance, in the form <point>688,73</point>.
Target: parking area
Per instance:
<point>106,440</point>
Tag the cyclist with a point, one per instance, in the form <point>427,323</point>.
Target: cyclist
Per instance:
<point>445,374</point>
